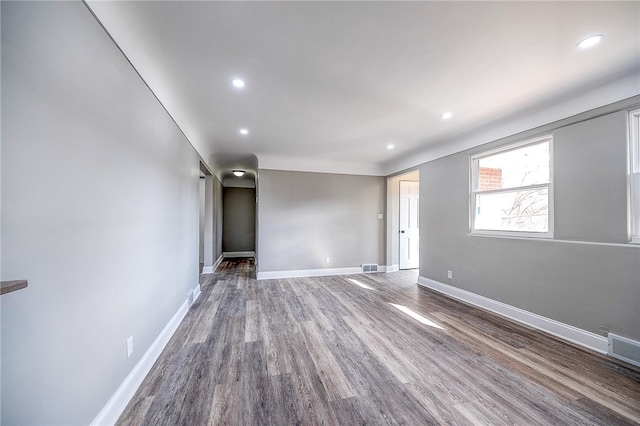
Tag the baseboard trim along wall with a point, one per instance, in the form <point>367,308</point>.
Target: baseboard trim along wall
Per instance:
<point>212,268</point>
<point>393,268</point>
<point>118,402</point>
<point>195,294</point>
<point>308,273</point>
<point>230,254</point>
<point>300,273</point>
<point>567,332</point>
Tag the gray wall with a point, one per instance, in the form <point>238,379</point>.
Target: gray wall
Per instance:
<point>239,220</point>
<point>99,213</point>
<point>588,285</point>
<point>305,217</point>
<point>591,180</point>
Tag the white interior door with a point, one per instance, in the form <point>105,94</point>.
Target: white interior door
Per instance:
<point>409,225</point>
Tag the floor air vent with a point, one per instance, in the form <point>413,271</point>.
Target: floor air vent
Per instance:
<point>625,349</point>
<point>371,267</point>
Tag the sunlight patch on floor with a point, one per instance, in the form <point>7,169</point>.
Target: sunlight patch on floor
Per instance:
<point>356,282</point>
<point>416,316</point>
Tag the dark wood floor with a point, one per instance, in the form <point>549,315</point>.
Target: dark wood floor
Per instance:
<point>328,351</point>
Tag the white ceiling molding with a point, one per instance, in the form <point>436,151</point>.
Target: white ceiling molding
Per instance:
<point>625,87</point>
<point>329,85</point>
<point>317,165</point>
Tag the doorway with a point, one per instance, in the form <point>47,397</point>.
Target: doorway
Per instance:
<point>239,222</point>
<point>206,220</point>
<point>201,220</point>
<point>409,244</point>
<point>409,240</point>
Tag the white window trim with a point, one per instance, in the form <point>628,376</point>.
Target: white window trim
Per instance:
<point>634,177</point>
<point>474,160</point>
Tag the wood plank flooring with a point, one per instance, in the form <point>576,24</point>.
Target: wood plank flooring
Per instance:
<point>329,350</point>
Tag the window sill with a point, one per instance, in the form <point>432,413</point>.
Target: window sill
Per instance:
<point>512,234</point>
<point>631,245</point>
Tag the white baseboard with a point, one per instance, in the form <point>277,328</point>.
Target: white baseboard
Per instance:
<point>567,332</point>
<point>393,268</point>
<point>212,268</point>
<point>300,273</point>
<point>308,273</point>
<point>228,254</point>
<point>196,293</point>
<point>127,389</point>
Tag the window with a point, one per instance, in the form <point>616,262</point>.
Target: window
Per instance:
<point>512,190</point>
<point>634,175</point>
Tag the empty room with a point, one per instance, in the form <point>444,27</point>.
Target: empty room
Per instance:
<point>279,213</point>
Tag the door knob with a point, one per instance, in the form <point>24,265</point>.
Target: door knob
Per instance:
<point>402,232</point>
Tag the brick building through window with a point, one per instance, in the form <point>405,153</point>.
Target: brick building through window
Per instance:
<point>490,178</point>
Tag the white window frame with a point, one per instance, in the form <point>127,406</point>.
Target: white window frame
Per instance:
<point>473,185</point>
<point>634,177</point>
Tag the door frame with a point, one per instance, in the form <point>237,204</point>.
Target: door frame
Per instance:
<point>393,217</point>
<point>402,231</point>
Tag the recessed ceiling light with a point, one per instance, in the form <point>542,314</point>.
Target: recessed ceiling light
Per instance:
<point>590,41</point>
<point>244,132</point>
<point>446,115</point>
<point>238,82</point>
<point>390,146</point>
<point>238,173</point>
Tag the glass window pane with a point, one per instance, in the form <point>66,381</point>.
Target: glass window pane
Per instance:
<point>524,166</point>
<point>525,211</point>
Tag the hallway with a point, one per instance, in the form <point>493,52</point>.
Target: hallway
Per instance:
<point>351,350</point>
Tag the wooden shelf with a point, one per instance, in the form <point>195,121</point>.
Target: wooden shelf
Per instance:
<point>9,286</point>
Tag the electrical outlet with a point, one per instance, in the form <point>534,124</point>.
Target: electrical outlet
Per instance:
<point>450,275</point>
<point>129,346</point>
<point>380,216</point>
<point>327,260</point>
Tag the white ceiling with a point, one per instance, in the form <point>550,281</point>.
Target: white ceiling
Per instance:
<point>330,84</point>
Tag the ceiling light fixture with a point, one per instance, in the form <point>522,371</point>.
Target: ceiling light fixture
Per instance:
<point>238,173</point>
<point>238,82</point>
<point>244,132</point>
<point>590,41</point>
<point>390,146</point>
<point>446,115</point>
